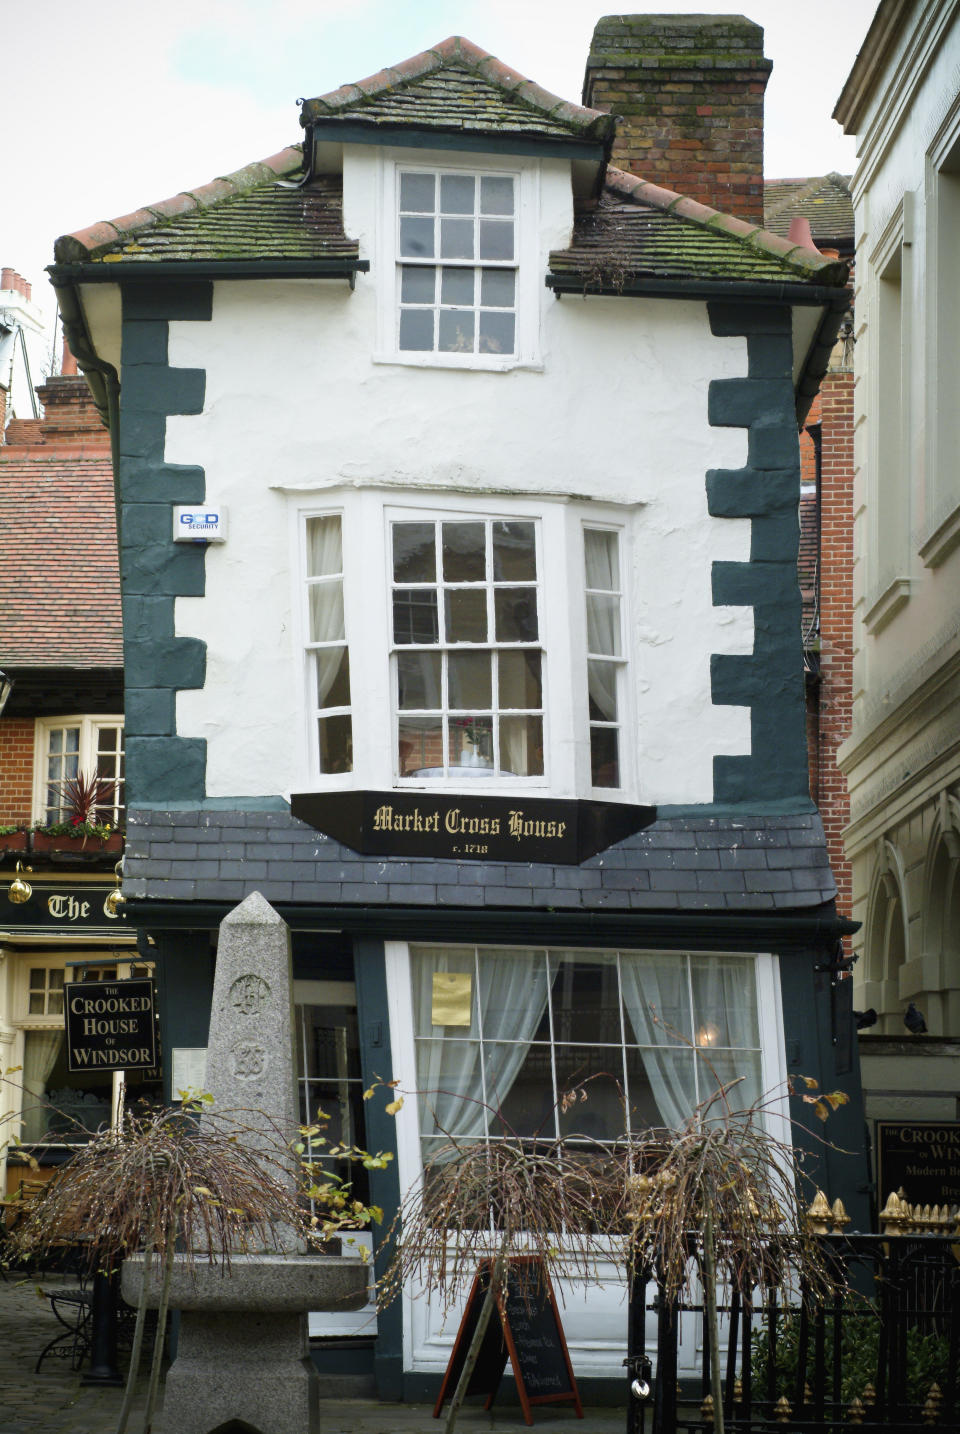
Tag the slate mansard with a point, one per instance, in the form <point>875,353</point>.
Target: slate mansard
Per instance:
<point>497,675</point>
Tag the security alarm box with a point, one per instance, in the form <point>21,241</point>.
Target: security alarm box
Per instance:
<point>204,523</point>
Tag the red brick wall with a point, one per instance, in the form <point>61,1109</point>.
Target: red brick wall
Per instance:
<point>689,93</point>
<point>830,701</point>
<point>834,702</point>
<point>16,770</point>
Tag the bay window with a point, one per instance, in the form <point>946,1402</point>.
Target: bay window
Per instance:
<point>486,634</point>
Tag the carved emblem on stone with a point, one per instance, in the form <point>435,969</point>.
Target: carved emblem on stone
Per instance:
<point>249,1060</point>
<point>250,994</point>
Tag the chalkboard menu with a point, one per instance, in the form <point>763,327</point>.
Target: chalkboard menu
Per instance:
<point>525,1330</point>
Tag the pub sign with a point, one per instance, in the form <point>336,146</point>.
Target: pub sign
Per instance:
<point>110,1025</point>
<point>922,1157</point>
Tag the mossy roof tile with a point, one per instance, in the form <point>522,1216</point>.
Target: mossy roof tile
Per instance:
<point>642,231</point>
<point>458,86</point>
<point>246,215</point>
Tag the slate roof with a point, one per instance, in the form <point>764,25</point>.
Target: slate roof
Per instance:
<point>825,200</point>
<point>245,215</point>
<point>59,576</point>
<point>639,230</point>
<point>458,87</point>
<point>709,864</point>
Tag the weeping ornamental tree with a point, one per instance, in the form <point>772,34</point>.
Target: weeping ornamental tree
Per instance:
<point>721,1198</point>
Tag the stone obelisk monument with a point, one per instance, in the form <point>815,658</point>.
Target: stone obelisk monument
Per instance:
<point>242,1356</point>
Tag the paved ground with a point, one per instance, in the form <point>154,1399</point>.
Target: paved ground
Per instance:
<point>54,1401</point>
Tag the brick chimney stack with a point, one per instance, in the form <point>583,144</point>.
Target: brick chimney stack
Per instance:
<point>688,91</point>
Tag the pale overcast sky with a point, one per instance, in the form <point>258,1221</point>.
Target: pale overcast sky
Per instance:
<point>107,107</point>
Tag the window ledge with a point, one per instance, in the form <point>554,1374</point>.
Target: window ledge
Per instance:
<point>886,605</point>
<point>470,363</point>
<point>942,540</point>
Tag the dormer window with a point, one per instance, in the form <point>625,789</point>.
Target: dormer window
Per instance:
<point>457,262</point>
<point>460,263</point>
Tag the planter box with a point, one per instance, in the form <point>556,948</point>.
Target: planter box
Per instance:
<point>14,844</point>
<point>78,846</point>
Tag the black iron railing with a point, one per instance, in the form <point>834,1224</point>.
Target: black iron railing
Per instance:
<point>881,1353</point>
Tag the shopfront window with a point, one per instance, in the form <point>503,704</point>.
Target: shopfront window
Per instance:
<point>501,1034</point>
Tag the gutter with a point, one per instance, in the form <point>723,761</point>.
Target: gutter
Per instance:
<point>143,270</point>
<point>740,929</point>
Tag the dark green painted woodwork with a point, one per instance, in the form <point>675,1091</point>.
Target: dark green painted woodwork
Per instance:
<point>155,570</point>
<point>150,711</point>
<point>184,970</point>
<point>377,1064</point>
<point>834,1156</point>
<point>766,490</point>
<point>174,767</point>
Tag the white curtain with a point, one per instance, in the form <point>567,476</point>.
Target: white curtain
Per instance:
<point>40,1052</point>
<point>601,555</point>
<point>657,1001</point>
<point>451,1075</point>
<point>325,560</point>
<point>726,1026</point>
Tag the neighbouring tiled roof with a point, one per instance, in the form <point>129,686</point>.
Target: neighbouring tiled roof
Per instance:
<point>639,230</point>
<point>756,864</point>
<point>59,576</point>
<point>246,215</point>
<point>824,200</point>
<point>458,87</point>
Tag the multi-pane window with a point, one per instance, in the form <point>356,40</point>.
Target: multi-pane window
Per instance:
<point>468,664</point>
<point>329,656</point>
<point>78,748</point>
<point>457,264</point>
<point>601,548</point>
<point>45,991</point>
<point>502,1034</point>
<point>329,1079</point>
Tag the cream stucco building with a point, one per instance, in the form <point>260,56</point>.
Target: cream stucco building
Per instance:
<point>902,759</point>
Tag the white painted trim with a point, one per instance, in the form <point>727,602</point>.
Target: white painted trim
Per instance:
<point>87,752</point>
<point>527,174</point>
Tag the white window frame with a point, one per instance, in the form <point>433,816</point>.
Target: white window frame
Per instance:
<point>526,176</point>
<point>427,1334</point>
<point>619,661</point>
<point>446,648</point>
<point>368,512</point>
<point>88,726</point>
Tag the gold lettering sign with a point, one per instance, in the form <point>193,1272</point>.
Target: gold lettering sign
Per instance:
<point>451,998</point>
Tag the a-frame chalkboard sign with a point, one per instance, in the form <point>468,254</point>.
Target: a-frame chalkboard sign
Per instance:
<point>528,1332</point>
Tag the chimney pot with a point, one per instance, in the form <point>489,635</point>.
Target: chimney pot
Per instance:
<point>7,278</point>
<point>68,364</point>
<point>800,233</point>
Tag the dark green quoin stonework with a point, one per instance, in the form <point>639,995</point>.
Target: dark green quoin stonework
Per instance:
<point>153,569</point>
<point>770,679</point>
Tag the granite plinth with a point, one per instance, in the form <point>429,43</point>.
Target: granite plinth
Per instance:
<point>254,1282</point>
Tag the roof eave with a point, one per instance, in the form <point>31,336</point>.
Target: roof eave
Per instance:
<point>474,141</point>
<point>110,271</point>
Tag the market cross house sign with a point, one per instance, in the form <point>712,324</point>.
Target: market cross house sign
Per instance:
<point>110,1025</point>
<point>471,828</point>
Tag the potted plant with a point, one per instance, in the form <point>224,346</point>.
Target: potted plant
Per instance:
<point>81,827</point>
